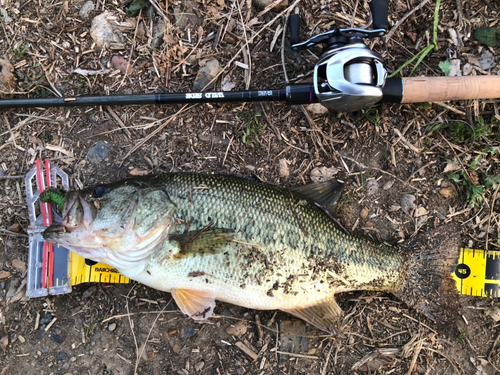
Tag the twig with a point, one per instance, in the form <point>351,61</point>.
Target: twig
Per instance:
<point>119,121</point>
<point>269,7</point>
<point>8,233</point>
<point>248,72</point>
<point>250,41</point>
<point>159,129</point>
<point>137,313</point>
<point>491,214</point>
<point>132,326</point>
<point>325,367</point>
<point>395,27</point>
<point>441,354</point>
<point>298,355</point>
<point>227,150</point>
<point>406,142</point>
<point>420,169</point>
<point>449,107</point>
<point>143,347</point>
<point>10,177</point>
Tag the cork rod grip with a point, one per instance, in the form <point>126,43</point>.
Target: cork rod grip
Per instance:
<point>436,89</point>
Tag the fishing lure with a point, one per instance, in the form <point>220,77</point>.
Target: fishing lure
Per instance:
<point>53,195</point>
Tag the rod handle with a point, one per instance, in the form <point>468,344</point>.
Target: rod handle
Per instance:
<point>437,89</point>
<point>379,9</point>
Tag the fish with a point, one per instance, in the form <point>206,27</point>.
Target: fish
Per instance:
<point>205,237</point>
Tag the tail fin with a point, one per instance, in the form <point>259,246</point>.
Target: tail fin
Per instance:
<point>430,287</point>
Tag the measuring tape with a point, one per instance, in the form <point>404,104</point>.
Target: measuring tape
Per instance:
<point>478,273</point>
<point>98,273</point>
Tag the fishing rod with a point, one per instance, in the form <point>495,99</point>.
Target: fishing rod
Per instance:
<point>347,77</point>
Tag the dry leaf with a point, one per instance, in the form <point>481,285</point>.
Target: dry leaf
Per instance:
<point>138,172</point>
<point>321,174</point>
<point>284,170</point>
<point>4,274</point>
<point>447,192</point>
<point>238,329</point>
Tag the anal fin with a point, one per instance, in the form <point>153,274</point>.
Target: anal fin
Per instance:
<point>325,315</point>
<point>195,304</point>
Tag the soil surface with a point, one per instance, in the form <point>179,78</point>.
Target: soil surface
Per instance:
<point>407,169</point>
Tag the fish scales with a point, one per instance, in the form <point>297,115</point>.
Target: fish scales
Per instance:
<point>296,250</point>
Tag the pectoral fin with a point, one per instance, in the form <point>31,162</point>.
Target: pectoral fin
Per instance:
<point>195,304</point>
<point>325,315</point>
<point>326,194</point>
<point>201,242</point>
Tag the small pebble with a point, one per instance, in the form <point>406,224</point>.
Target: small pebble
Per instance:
<point>65,366</point>
<point>112,327</point>
<point>56,338</point>
<point>188,332</point>
<point>16,228</point>
<point>21,339</point>
<point>72,359</point>
<point>86,9</point>
<point>407,203</point>
<point>364,213</point>
<point>206,74</point>
<point>372,187</point>
<point>19,265</point>
<point>199,366</point>
<point>61,356</point>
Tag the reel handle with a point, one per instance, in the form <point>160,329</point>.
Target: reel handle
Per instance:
<point>379,9</point>
<point>294,25</point>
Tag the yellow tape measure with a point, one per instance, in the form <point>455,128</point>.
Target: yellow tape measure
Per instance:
<point>478,273</point>
<point>98,273</point>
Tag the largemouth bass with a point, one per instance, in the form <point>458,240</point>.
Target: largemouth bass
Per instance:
<point>205,238</point>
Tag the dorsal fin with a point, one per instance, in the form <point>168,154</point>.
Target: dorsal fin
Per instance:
<point>326,194</point>
<point>200,242</point>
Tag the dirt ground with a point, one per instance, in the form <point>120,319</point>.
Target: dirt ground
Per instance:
<point>446,156</point>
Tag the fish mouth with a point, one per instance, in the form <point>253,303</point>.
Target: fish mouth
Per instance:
<point>78,214</point>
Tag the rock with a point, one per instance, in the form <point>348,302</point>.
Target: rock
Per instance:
<point>447,192</point>
<point>103,31</point>
<point>4,341</point>
<point>72,359</point>
<point>121,64</point>
<point>185,15</point>
<point>98,153</point>
<point>317,109</point>
<point>46,319</point>
<point>407,203</point>
<point>57,338</point>
<point>199,366</point>
<point>486,60</point>
<point>19,265</point>
<point>7,79</point>
<point>372,187</point>
<point>89,292</point>
<point>261,4</point>
<point>61,356</point>
<point>188,332</point>
<point>112,327</point>
<point>238,329</point>
<point>364,213</point>
<point>159,30</point>
<point>16,228</point>
<point>284,170</point>
<point>4,274</point>
<point>21,339</point>
<point>388,185</point>
<point>323,174</point>
<point>85,10</point>
<point>65,366</point>
<point>227,84</point>
<point>206,74</point>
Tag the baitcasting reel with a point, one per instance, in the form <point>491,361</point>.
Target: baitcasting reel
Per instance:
<point>348,76</point>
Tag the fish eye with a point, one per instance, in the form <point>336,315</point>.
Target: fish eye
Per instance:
<point>99,191</point>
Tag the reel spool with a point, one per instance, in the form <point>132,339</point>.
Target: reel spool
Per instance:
<point>348,76</point>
